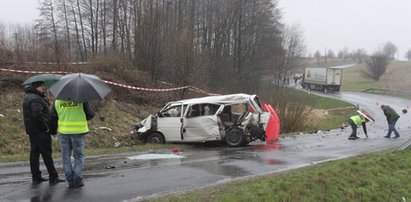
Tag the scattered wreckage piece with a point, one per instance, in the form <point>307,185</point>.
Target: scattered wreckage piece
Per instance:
<point>236,119</point>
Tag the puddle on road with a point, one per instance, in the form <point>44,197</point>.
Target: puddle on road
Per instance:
<point>266,147</point>
<point>155,156</point>
<point>272,161</point>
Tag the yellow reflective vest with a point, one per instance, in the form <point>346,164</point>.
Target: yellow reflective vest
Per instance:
<point>72,118</point>
<point>358,120</point>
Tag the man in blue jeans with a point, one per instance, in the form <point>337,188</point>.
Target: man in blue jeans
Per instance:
<point>392,118</point>
<point>70,121</point>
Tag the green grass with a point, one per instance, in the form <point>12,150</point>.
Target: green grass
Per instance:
<point>335,119</point>
<point>354,79</point>
<point>384,176</point>
<point>305,98</point>
<point>302,111</point>
<point>319,102</point>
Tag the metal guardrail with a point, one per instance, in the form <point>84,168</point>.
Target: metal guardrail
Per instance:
<point>404,145</point>
<point>385,90</point>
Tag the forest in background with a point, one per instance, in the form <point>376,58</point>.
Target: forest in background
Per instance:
<point>225,45</point>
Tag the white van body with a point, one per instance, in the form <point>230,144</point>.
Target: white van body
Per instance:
<point>206,119</point>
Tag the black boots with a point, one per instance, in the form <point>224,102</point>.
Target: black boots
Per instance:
<point>56,180</point>
<point>397,135</point>
<point>39,180</point>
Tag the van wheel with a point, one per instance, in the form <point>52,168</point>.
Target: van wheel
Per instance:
<point>234,138</point>
<point>156,138</point>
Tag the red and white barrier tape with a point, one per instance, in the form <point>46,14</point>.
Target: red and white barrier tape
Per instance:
<point>195,89</point>
<point>146,89</point>
<point>34,72</point>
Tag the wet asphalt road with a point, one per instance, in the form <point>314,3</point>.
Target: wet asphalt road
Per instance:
<point>203,165</point>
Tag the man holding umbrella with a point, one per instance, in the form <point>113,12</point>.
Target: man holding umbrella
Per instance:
<point>36,114</point>
<point>70,114</point>
<point>71,118</point>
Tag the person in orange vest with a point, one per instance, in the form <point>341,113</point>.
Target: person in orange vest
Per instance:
<point>356,121</point>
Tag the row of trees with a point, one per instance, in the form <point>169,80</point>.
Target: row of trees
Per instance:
<point>215,43</point>
<point>358,55</point>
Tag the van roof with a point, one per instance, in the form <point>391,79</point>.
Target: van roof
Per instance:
<point>219,99</point>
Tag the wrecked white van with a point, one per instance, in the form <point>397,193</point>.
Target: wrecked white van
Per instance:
<point>236,119</point>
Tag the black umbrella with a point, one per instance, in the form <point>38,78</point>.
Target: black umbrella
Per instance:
<point>80,87</point>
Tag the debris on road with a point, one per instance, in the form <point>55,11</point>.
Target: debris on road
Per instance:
<point>176,149</point>
<point>117,144</point>
<point>104,128</point>
<point>155,156</point>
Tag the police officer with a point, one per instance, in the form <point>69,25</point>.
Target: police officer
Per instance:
<point>356,121</point>
<point>71,120</point>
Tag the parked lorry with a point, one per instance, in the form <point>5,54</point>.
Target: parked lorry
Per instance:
<point>322,79</point>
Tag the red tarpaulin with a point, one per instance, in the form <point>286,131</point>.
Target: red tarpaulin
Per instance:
<point>273,126</point>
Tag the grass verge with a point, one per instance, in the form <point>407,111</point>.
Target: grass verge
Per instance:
<point>302,111</point>
<point>384,176</point>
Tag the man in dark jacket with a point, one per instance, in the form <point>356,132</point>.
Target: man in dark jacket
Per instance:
<point>36,114</point>
<point>392,118</point>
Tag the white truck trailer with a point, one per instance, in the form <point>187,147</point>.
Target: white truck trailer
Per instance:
<point>322,79</point>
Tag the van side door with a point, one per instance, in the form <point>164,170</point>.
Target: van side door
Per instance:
<point>169,122</point>
<point>201,123</point>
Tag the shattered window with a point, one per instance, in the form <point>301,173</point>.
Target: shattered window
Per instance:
<point>202,110</point>
<point>209,109</point>
<point>174,111</point>
<point>238,109</point>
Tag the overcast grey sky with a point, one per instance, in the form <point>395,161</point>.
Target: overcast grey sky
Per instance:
<point>331,24</point>
<point>354,24</point>
<point>18,11</point>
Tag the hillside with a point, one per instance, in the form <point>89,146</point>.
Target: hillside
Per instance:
<point>116,113</point>
<point>396,77</point>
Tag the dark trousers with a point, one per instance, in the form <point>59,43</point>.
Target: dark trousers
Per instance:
<point>391,127</point>
<point>353,127</point>
<point>41,144</point>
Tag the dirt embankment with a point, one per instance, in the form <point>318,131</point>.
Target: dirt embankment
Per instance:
<point>114,118</point>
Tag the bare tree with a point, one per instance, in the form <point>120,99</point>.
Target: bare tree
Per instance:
<point>340,54</point>
<point>330,54</point>
<point>360,55</point>
<point>317,56</point>
<point>293,49</point>
<point>390,50</point>
<point>377,64</point>
<point>47,26</point>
